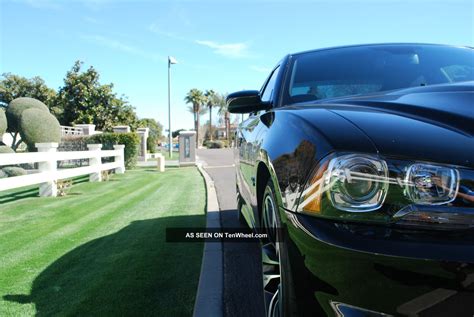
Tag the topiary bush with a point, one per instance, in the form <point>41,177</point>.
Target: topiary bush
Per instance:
<point>12,171</point>
<point>108,140</point>
<point>3,122</point>
<point>16,108</point>
<point>38,126</point>
<point>6,149</point>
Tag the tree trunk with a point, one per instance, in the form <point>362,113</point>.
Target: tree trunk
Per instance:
<point>227,126</point>
<point>197,130</point>
<point>210,123</point>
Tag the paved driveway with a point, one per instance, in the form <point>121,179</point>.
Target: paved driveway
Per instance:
<point>242,267</point>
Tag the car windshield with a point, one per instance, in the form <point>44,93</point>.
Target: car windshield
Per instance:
<point>367,69</point>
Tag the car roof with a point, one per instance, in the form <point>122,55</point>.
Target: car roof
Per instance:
<point>377,44</point>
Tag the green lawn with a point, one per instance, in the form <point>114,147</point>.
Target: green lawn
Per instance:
<point>174,155</point>
<point>101,250</point>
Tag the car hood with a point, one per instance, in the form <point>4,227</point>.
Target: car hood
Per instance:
<point>433,123</point>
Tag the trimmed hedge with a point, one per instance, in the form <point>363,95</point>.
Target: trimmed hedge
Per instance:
<point>3,174</point>
<point>214,144</point>
<point>3,122</point>
<point>6,149</point>
<point>151,144</point>
<point>131,141</point>
<point>13,171</point>
<point>38,126</point>
<point>17,106</point>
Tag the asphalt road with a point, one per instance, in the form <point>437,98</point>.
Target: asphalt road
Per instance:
<point>242,278</point>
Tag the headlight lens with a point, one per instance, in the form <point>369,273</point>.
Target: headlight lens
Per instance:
<point>431,185</point>
<point>362,182</point>
<point>357,183</point>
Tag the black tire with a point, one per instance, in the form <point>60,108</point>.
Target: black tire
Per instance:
<point>283,301</point>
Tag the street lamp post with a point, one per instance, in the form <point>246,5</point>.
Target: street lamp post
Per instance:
<point>171,60</point>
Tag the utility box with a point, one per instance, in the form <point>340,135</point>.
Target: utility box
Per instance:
<point>187,148</point>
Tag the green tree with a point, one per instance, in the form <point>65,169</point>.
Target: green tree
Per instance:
<point>224,113</point>
<point>85,100</point>
<point>155,132</point>
<point>197,99</point>
<point>213,100</point>
<point>15,86</point>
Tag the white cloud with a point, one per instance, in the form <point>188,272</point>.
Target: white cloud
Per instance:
<point>233,50</point>
<point>119,46</point>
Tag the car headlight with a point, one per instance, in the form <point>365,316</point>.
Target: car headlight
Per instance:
<point>354,186</point>
<point>357,183</point>
<point>431,185</point>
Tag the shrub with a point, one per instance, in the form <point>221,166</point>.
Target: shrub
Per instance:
<point>13,171</point>
<point>17,106</point>
<point>225,143</point>
<point>151,144</point>
<point>63,186</point>
<point>3,122</point>
<point>6,149</point>
<point>108,140</point>
<point>38,126</point>
<point>3,174</point>
<point>105,175</point>
<point>215,144</point>
<point>73,143</point>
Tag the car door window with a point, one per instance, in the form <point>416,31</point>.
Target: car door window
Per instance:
<point>267,93</point>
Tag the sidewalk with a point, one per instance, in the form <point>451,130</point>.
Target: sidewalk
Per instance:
<point>153,163</point>
<point>242,280</point>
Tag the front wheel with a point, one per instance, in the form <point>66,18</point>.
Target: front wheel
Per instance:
<point>275,265</point>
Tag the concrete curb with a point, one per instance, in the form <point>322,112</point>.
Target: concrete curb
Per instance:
<point>211,281</point>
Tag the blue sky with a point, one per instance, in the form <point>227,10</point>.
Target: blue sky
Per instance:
<point>220,45</point>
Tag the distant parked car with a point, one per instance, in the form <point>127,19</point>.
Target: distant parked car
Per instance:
<point>359,164</point>
<point>167,146</point>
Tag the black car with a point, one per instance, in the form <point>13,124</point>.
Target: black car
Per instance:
<point>358,162</point>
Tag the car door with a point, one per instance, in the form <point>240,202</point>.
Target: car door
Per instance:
<point>249,142</point>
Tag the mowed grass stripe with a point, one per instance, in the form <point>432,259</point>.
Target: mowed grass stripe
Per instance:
<point>62,211</point>
<point>95,216</point>
<point>66,209</point>
<point>133,204</point>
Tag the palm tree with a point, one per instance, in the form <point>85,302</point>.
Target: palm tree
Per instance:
<point>223,112</point>
<point>197,99</point>
<point>211,97</point>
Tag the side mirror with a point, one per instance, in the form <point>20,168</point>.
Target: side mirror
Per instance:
<point>245,102</point>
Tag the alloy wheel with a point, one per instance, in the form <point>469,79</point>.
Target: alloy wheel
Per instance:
<point>271,259</point>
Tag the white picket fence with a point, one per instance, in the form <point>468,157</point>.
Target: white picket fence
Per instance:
<point>48,174</point>
<point>71,131</point>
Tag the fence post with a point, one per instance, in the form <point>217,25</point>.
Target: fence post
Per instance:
<point>49,188</point>
<point>160,160</point>
<point>120,158</point>
<point>95,161</point>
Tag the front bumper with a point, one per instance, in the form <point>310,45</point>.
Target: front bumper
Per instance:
<point>344,269</point>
